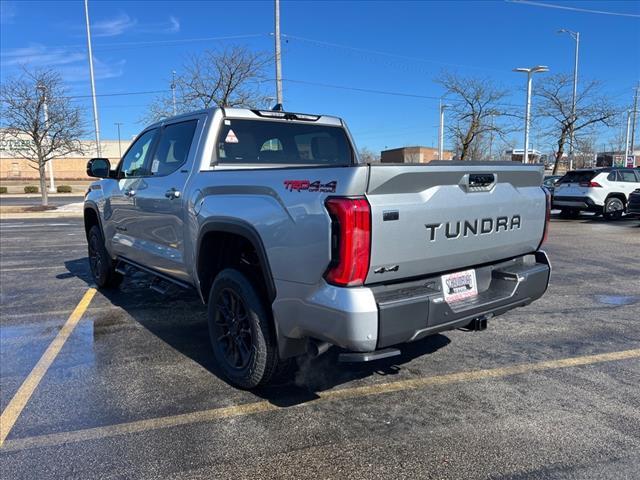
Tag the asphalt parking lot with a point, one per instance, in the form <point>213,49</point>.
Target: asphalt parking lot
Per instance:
<point>547,391</point>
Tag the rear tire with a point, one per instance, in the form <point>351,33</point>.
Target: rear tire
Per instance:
<point>242,338</point>
<point>102,266</point>
<point>613,208</point>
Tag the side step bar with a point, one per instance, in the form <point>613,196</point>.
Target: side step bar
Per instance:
<point>160,282</point>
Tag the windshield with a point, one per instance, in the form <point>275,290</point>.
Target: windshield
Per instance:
<point>278,142</point>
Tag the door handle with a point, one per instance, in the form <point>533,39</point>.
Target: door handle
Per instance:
<point>130,193</point>
<point>172,193</point>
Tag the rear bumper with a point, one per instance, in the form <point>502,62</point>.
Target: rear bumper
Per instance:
<point>367,319</point>
<point>580,203</point>
<point>412,311</point>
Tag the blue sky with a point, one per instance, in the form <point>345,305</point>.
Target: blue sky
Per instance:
<point>386,46</point>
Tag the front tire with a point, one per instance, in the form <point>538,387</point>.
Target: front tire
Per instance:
<point>102,266</point>
<point>613,208</point>
<point>242,338</point>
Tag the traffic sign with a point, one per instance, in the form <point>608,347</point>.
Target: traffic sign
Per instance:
<point>631,161</point>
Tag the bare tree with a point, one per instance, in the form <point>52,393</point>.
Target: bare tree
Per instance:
<point>368,156</point>
<point>228,77</point>
<point>553,100</point>
<point>475,113</point>
<point>25,101</point>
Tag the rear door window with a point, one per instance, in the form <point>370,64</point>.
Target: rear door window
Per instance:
<point>282,142</point>
<point>627,176</point>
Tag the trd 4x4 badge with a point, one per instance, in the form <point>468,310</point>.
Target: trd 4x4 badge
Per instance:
<point>307,185</point>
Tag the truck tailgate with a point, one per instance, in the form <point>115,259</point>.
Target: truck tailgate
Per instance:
<point>446,216</point>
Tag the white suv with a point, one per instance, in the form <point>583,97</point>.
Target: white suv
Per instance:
<point>601,190</point>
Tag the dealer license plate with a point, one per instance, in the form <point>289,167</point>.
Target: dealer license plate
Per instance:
<point>460,285</point>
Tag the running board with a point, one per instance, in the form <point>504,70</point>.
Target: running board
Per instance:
<point>358,357</point>
<point>160,281</point>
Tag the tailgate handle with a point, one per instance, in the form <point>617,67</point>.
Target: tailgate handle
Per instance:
<point>481,179</point>
<point>479,182</point>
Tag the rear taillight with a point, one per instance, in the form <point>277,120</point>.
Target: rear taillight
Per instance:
<point>547,216</point>
<point>350,240</point>
<point>590,184</point>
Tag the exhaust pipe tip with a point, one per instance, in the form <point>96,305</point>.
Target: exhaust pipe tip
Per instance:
<point>315,348</point>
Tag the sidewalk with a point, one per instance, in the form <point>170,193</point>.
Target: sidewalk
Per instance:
<point>71,210</point>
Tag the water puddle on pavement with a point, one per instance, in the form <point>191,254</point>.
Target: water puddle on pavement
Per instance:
<point>617,300</point>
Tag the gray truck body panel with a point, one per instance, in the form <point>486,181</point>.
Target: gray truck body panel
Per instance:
<point>145,223</point>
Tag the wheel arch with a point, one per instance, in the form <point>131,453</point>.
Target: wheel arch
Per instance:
<point>214,230</point>
<point>91,218</point>
<point>619,195</point>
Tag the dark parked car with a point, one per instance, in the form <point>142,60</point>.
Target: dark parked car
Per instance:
<point>633,206</point>
<point>550,181</point>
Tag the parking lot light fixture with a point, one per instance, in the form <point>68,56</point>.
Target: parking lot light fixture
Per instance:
<point>527,115</point>
<point>576,37</point>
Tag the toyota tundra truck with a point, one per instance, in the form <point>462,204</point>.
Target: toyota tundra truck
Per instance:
<point>296,245</point>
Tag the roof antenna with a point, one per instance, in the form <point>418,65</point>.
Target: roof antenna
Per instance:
<point>278,108</point>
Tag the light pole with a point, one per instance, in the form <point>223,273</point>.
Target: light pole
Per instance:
<point>278,54</point>
<point>119,146</point>
<point>527,114</point>
<point>441,132</point>
<point>45,111</point>
<point>93,83</point>
<point>626,139</point>
<point>576,37</point>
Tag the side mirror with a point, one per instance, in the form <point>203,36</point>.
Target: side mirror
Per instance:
<point>99,168</point>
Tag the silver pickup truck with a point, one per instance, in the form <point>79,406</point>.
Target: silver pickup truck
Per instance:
<point>296,245</point>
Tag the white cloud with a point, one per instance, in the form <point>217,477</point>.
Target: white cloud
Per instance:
<point>113,27</point>
<point>174,25</point>
<point>71,64</point>
<point>123,23</point>
<point>39,56</point>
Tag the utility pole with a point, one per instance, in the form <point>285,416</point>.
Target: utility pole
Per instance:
<point>173,91</point>
<point>633,124</point>
<point>119,146</point>
<point>93,83</point>
<point>278,55</point>
<point>626,141</point>
<point>527,115</point>
<point>576,38</point>
<point>45,111</point>
<point>441,132</point>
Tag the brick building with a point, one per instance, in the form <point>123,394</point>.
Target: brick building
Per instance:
<point>70,167</point>
<point>413,155</point>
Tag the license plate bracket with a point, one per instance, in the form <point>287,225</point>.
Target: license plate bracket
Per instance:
<point>459,285</point>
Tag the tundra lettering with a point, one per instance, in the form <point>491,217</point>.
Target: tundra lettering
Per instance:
<point>487,225</point>
<point>296,245</point>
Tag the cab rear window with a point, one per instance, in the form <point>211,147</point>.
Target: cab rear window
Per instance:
<point>282,143</point>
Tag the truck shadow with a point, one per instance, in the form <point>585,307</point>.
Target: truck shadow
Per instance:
<point>179,319</point>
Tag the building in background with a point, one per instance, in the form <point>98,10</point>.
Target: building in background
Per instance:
<point>517,154</point>
<point>413,155</point>
<point>13,167</point>
<point>607,159</point>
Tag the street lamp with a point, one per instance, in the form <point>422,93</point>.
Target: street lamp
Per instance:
<point>529,72</point>
<point>576,37</point>
<point>441,132</point>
